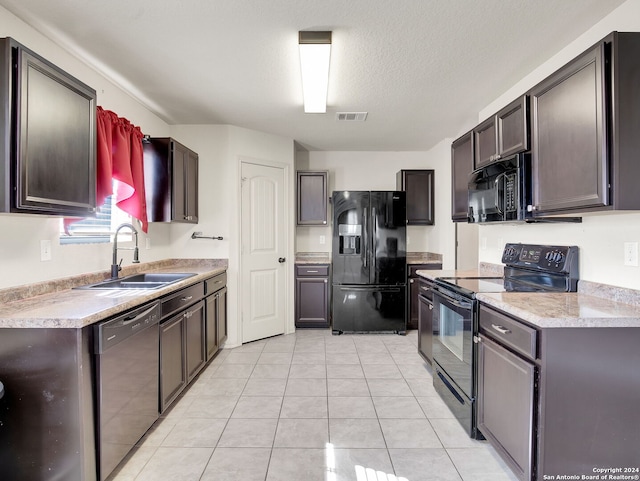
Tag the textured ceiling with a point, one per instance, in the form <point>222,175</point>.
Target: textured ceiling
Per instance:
<point>421,68</point>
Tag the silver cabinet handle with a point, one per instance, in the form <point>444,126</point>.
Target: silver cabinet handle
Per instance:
<point>431,307</point>
<point>312,271</point>
<point>185,299</point>
<point>411,281</point>
<point>501,329</point>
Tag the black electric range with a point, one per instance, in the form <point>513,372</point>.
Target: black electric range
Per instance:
<point>528,268</point>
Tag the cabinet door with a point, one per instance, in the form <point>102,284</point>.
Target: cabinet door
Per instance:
<point>55,140</point>
<point>462,166</point>
<point>425,328</point>
<point>512,125</point>
<point>184,184</point>
<point>194,339</point>
<point>211,305</point>
<point>173,372</point>
<point>418,185</point>
<point>506,388</point>
<point>484,137</point>
<point>312,302</point>
<point>312,196</point>
<point>569,151</point>
<point>221,315</point>
<point>414,290</point>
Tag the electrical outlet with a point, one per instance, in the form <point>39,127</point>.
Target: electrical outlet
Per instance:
<point>322,240</point>
<point>631,254</point>
<point>45,250</point>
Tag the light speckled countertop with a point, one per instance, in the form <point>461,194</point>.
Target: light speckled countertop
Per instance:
<point>594,305</point>
<point>325,258</point>
<point>74,308</point>
<point>570,309</point>
<point>423,258</point>
<point>313,258</point>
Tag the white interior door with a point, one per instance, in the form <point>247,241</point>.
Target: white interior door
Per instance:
<point>263,251</point>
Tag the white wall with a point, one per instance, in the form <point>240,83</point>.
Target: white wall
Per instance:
<point>600,237</point>
<point>377,171</point>
<point>220,149</point>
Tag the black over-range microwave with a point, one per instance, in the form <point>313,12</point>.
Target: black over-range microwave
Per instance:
<point>501,191</point>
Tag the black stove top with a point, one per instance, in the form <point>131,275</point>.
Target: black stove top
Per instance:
<point>529,268</point>
<point>469,286</point>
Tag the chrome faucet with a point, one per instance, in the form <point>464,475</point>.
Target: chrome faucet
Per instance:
<point>115,266</point>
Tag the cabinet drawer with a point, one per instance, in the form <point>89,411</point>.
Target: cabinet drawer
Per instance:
<point>215,283</point>
<point>509,332</point>
<point>312,270</point>
<point>183,298</point>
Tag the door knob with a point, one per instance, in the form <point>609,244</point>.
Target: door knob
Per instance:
<point>281,260</point>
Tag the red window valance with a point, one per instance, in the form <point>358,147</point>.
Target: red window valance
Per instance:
<point>120,158</point>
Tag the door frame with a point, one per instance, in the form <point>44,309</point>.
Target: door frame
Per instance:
<point>288,192</point>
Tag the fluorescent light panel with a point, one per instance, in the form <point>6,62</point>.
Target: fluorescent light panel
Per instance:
<point>315,53</point>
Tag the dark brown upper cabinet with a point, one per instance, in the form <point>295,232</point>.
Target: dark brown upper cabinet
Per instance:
<point>418,185</point>
<point>47,137</point>
<point>171,181</point>
<point>505,133</point>
<point>312,197</point>
<point>461,168</point>
<point>585,124</point>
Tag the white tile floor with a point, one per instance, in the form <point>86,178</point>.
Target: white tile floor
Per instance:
<point>312,406</point>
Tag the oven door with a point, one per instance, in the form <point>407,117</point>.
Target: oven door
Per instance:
<point>453,320</point>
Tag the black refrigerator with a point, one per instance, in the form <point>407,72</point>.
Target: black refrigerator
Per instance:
<point>369,261</point>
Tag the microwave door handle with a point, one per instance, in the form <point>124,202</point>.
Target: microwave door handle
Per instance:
<point>497,191</point>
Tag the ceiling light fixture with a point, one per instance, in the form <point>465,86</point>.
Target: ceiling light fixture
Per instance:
<point>315,52</point>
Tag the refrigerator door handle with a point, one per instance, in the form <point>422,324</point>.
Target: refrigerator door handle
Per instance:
<point>374,240</point>
<point>371,289</point>
<point>365,249</point>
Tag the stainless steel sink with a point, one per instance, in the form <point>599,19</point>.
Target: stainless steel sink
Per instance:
<point>140,281</point>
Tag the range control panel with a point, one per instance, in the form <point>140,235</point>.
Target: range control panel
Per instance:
<point>562,259</point>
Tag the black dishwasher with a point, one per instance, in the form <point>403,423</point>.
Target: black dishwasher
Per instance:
<point>127,365</point>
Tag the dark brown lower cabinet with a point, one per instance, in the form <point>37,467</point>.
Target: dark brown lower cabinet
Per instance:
<point>173,371</point>
<point>413,282</point>
<point>312,296</point>
<point>425,320</point>
<point>506,400</point>
<point>195,340</point>
<point>182,351</point>
<point>216,315</point>
<point>558,400</point>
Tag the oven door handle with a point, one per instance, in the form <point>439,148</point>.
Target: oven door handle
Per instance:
<point>451,300</point>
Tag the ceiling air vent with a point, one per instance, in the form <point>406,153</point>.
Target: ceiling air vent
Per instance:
<point>351,116</point>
